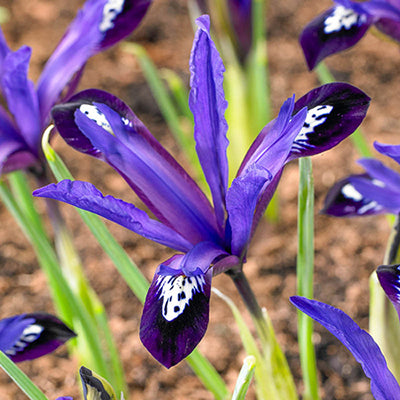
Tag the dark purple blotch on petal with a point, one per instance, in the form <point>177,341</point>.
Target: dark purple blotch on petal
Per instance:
<point>389,278</point>
<point>335,110</point>
<point>344,200</point>
<point>175,316</point>
<point>335,30</point>
<point>30,336</point>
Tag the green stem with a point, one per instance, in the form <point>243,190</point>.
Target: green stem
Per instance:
<point>25,384</point>
<point>270,346</point>
<point>305,274</point>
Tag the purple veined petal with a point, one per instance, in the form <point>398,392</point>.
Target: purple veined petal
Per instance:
<point>14,152</point>
<point>382,175</point>
<point>271,148</point>
<point>95,386</point>
<point>175,314</point>
<point>334,112</point>
<point>79,43</point>
<point>344,200</point>
<point>120,18</point>
<point>387,197</point>
<point>29,336</point>
<point>21,96</point>
<point>208,104</point>
<point>64,398</point>
<point>160,182</point>
<point>378,9</point>
<point>84,195</point>
<point>390,150</point>
<point>4,51</point>
<point>389,278</point>
<point>335,30</point>
<point>360,343</point>
<point>241,201</point>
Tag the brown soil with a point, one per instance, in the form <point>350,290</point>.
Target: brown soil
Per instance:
<point>347,251</point>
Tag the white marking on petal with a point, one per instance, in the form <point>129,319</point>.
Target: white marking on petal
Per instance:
<point>315,117</point>
<point>110,11</point>
<point>177,291</point>
<point>379,183</point>
<point>350,192</point>
<point>29,335</point>
<point>369,206</point>
<point>96,115</point>
<point>342,17</point>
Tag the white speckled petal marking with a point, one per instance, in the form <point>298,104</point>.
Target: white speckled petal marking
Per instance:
<point>315,117</point>
<point>177,291</point>
<point>29,335</point>
<point>350,192</point>
<point>110,11</point>
<point>95,115</point>
<point>342,18</point>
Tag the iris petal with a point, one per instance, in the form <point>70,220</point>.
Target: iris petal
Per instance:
<point>334,111</point>
<point>344,200</point>
<point>29,336</point>
<point>337,29</point>
<point>360,343</point>
<point>85,196</point>
<point>208,104</point>
<point>175,315</point>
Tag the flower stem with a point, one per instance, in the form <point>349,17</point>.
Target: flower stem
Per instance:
<point>272,352</point>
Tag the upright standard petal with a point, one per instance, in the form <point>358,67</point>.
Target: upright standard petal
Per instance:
<point>335,30</point>
<point>208,104</point>
<point>176,310</point>
<point>360,343</point>
<point>85,196</point>
<point>21,96</point>
<point>79,43</point>
<point>14,152</point>
<point>99,25</point>
<point>109,130</point>
<point>344,200</point>
<point>334,111</point>
<point>29,336</point>
<point>241,203</point>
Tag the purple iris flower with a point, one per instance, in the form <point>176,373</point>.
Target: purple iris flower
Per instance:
<point>28,336</point>
<point>375,192</point>
<point>210,239</point>
<point>97,26</point>
<point>360,343</point>
<point>343,25</point>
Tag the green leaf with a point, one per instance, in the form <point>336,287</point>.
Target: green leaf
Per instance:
<point>305,274</point>
<point>244,378</point>
<point>25,384</point>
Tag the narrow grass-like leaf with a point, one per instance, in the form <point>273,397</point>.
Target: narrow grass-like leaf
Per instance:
<point>358,139</point>
<point>265,380</point>
<point>244,378</point>
<point>25,384</point>
<point>131,273</point>
<point>305,274</point>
